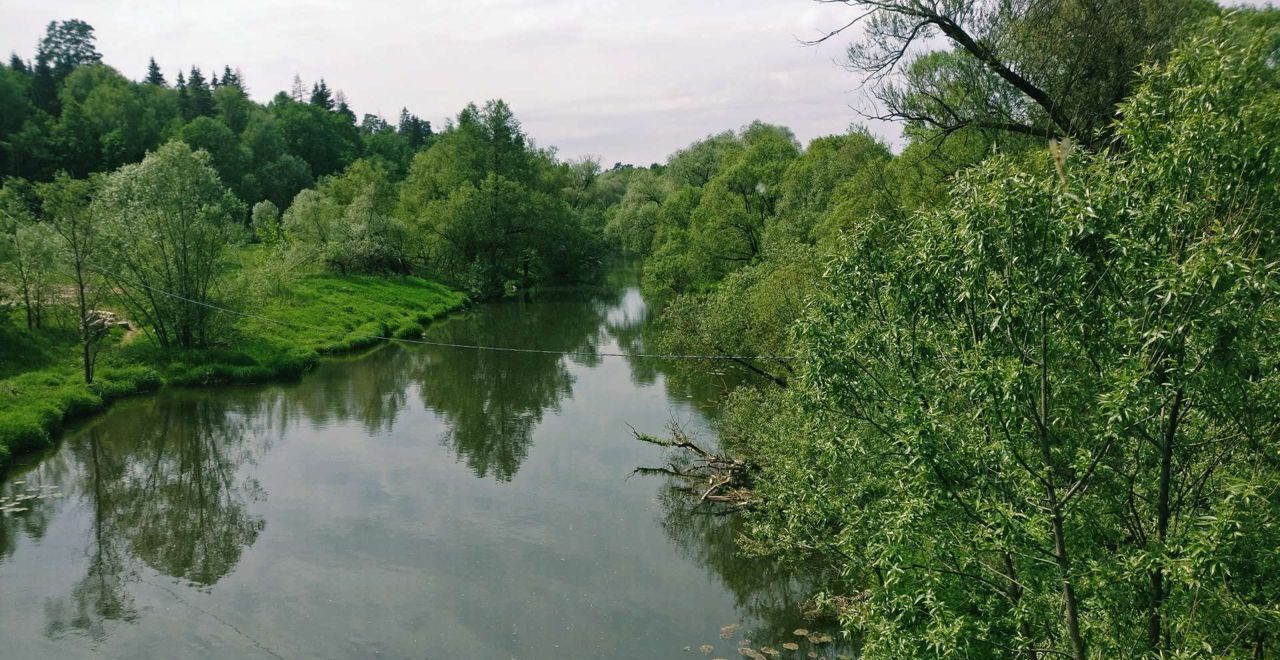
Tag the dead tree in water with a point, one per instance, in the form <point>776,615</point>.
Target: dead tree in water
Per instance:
<point>711,478</point>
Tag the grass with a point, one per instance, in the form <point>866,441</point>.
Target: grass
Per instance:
<point>42,388</point>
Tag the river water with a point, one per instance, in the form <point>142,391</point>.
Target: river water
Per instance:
<point>411,502</point>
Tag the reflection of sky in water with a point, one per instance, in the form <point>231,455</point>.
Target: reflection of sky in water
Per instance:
<point>412,502</point>
<point>629,311</point>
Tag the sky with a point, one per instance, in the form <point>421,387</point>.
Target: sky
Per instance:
<point>620,80</point>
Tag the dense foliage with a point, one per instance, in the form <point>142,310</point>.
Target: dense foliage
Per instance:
<point>1015,389</point>
<point>1021,402</point>
<point>198,169</point>
<point>129,211</point>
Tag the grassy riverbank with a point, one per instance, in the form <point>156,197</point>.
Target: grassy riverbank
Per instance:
<point>41,386</point>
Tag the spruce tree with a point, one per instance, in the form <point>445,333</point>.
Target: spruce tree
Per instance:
<point>17,64</point>
<point>201,96</point>
<point>44,88</point>
<point>154,75</point>
<point>298,91</point>
<point>413,129</point>
<point>231,78</point>
<point>343,109</point>
<point>184,99</point>
<point>320,95</point>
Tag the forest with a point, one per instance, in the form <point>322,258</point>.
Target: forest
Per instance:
<point>1013,384</point>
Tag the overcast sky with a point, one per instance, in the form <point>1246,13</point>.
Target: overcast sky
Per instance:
<point>621,80</point>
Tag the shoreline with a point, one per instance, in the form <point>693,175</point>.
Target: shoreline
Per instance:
<point>361,312</point>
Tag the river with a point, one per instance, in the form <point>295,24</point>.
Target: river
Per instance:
<point>409,502</point>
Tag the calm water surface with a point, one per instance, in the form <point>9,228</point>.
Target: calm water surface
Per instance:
<point>413,502</point>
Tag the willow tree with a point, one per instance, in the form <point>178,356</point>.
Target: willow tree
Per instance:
<point>166,224</point>
<point>1042,420</point>
<point>1054,68</point>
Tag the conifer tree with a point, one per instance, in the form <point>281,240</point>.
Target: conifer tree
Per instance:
<point>343,109</point>
<point>201,96</point>
<point>17,64</point>
<point>298,91</point>
<point>154,75</point>
<point>44,89</point>
<point>320,95</point>
<point>231,78</point>
<point>413,129</point>
<point>184,99</point>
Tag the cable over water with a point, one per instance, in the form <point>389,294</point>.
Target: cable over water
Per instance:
<point>445,344</point>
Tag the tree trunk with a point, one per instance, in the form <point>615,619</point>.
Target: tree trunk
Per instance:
<point>1061,556</point>
<point>1016,591</point>
<point>1155,625</point>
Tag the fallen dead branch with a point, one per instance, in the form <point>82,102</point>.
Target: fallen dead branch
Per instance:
<point>708,477</point>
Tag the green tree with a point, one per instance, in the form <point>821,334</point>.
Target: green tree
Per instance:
<point>30,260</point>
<point>201,97</point>
<point>66,206</point>
<point>167,221</point>
<point>226,154</point>
<point>491,210</point>
<point>347,222</point>
<point>633,221</point>
<point>1041,68</point>
<point>415,131</point>
<point>725,231</point>
<point>810,182</point>
<point>320,96</point>
<point>1036,421</point>
<point>233,107</point>
<point>14,110</point>
<point>324,140</point>
<point>16,64</point>
<point>154,75</point>
<point>266,222</point>
<point>232,78</point>
<point>381,141</point>
<point>65,46</point>
<point>107,120</point>
<point>68,44</point>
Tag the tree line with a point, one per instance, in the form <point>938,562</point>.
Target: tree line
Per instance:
<point>1016,387</point>
<point>139,195</point>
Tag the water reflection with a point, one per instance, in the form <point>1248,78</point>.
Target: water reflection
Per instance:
<point>492,401</point>
<point>630,325</point>
<point>165,490</point>
<point>163,504</point>
<point>771,598</point>
<point>373,395</point>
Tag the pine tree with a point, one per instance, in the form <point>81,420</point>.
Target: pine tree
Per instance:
<point>213,80</point>
<point>343,109</point>
<point>201,97</point>
<point>320,95</point>
<point>231,78</point>
<point>44,89</point>
<point>414,130</point>
<point>299,91</point>
<point>184,99</point>
<point>17,64</point>
<point>154,75</point>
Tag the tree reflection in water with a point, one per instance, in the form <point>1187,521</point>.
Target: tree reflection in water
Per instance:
<point>165,489</point>
<point>770,598</point>
<point>491,402</point>
<point>163,484</point>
